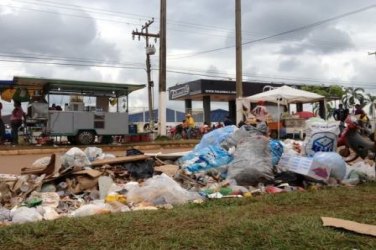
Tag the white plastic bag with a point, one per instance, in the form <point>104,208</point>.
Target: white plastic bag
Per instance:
<point>94,153</point>
<point>90,209</point>
<point>334,161</point>
<point>25,214</point>
<point>75,157</point>
<point>161,189</point>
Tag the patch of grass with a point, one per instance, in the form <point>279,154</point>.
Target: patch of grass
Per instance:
<point>281,221</point>
<point>162,138</point>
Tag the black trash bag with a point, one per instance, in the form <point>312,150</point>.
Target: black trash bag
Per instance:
<point>140,169</point>
<point>133,151</point>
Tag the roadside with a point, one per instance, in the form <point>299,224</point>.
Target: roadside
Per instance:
<point>13,159</point>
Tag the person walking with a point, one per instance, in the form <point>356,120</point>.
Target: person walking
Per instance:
<point>16,119</point>
<point>340,115</point>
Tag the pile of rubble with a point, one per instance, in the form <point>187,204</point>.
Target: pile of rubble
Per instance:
<point>228,162</point>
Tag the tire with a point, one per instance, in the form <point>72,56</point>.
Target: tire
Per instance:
<point>85,137</point>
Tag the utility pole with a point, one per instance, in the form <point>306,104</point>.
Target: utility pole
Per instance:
<point>150,50</point>
<point>239,65</point>
<point>162,71</point>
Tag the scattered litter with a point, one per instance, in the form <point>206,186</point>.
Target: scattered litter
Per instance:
<point>227,163</point>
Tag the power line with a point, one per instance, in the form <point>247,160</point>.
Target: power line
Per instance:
<point>65,14</point>
<point>73,64</point>
<point>283,33</point>
<point>69,59</point>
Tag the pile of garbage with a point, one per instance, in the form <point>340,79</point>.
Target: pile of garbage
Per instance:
<point>228,162</point>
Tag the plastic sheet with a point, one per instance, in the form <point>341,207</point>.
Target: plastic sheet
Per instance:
<point>334,161</point>
<point>25,214</point>
<point>74,157</point>
<point>252,162</point>
<point>277,151</point>
<point>91,209</point>
<point>140,169</point>
<point>241,133</point>
<point>161,189</point>
<point>215,137</point>
<point>205,159</point>
<point>94,153</point>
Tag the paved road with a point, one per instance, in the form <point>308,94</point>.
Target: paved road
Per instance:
<point>12,164</point>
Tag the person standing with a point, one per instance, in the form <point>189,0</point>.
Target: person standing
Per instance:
<point>190,124</point>
<point>2,126</point>
<point>340,115</point>
<point>16,119</point>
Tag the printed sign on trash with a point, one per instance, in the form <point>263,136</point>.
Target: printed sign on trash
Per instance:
<point>305,166</point>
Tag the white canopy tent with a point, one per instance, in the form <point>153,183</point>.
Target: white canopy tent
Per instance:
<point>284,95</point>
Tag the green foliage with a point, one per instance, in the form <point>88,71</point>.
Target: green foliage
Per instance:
<point>352,96</point>
<point>372,100</point>
<point>275,221</point>
<point>331,92</point>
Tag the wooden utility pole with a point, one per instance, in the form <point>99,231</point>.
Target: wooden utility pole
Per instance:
<point>239,65</point>
<point>162,71</point>
<point>150,50</point>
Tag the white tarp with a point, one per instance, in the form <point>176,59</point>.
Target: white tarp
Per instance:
<point>284,95</point>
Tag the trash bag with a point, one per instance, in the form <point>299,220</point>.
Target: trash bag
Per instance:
<point>241,133</point>
<point>252,162</point>
<point>207,158</point>
<point>277,151</point>
<point>94,153</point>
<point>90,209</point>
<point>215,137</point>
<point>359,172</point>
<point>133,151</point>
<point>161,189</point>
<point>74,157</point>
<point>320,137</point>
<point>140,169</point>
<point>334,161</point>
<point>25,214</point>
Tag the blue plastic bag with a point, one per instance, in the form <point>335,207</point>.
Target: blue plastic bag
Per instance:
<point>209,157</point>
<point>215,137</point>
<point>277,150</point>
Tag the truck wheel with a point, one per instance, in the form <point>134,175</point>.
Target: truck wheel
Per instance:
<point>85,137</point>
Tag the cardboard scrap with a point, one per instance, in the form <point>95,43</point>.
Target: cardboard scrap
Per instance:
<point>349,225</point>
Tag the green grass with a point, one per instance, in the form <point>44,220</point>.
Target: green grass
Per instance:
<point>280,221</point>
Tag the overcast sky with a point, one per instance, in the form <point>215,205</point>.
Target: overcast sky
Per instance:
<point>313,42</point>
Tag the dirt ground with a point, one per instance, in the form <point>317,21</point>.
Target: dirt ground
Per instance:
<point>12,164</point>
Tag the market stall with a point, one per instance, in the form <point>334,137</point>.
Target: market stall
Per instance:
<point>286,95</point>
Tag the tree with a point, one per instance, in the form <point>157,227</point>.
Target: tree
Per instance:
<point>352,95</point>
<point>330,93</point>
<point>372,101</point>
